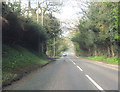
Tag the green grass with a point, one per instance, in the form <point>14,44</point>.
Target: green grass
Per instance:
<point>17,58</point>
<point>112,60</point>
<point>8,76</point>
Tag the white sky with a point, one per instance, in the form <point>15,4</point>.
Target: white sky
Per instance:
<point>69,13</point>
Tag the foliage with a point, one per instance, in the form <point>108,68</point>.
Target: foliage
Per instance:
<point>52,25</point>
<point>98,31</point>
<point>59,46</point>
<point>25,37</point>
<point>24,30</point>
<point>21,30</point>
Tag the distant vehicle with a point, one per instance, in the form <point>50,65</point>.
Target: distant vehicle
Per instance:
<point>64,54</point>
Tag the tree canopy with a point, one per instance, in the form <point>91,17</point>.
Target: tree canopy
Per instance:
<point>98,30</point>
<point>24,29</point>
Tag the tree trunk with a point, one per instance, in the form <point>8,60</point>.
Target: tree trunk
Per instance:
<point>37,11</point>
<point>42,15</point>
<point>112,50</point>
<point>20,3</point>
<point>29,7</point>
<point>42,47</point>
<point>54,48</point>
<point>45,48</point>
<point>108,52</point>
<point>39,49</point>
<point>95,53</point>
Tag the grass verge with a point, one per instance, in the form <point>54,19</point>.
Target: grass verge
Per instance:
<point>54,57</point>
<point>17,61</point>
<point>111,60</point>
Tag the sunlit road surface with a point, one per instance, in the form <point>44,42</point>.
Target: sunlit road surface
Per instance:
<point>69,73</point>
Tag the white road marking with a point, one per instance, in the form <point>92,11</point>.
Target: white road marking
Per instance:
<point>100,88</point>
<point>71,60</point>
<point>79,68</point>
<point>74,63</point>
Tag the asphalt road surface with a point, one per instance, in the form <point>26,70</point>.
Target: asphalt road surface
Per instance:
<point>69,73</point>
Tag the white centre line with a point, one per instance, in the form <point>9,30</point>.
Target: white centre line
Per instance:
<point>79,68</point>
<point>71,60</point>
<point>74,63</point>
<point>100,88</point>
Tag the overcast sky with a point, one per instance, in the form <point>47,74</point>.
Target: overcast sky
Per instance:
<point>69,11</point>
<point>70,14</point>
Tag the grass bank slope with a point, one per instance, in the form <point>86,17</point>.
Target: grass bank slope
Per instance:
<point>18,61</point>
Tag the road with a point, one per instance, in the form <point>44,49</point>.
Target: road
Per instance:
<point>69,73</point>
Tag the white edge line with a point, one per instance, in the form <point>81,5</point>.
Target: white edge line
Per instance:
<point>100,88</point>
<point>79,68</point>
